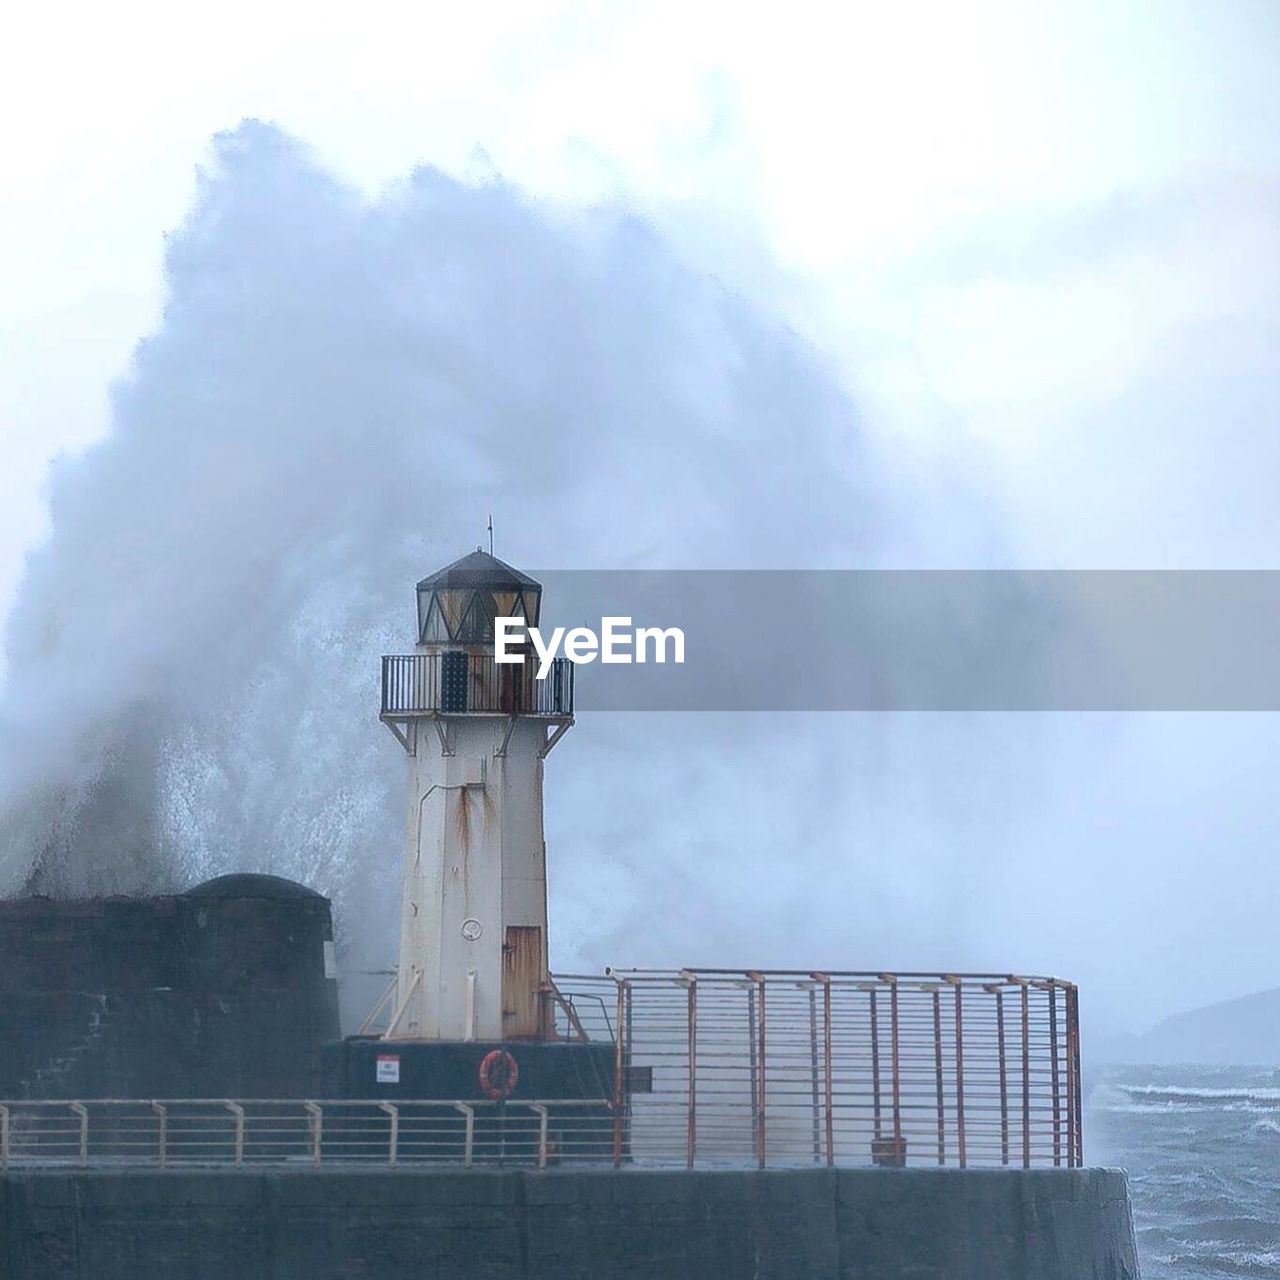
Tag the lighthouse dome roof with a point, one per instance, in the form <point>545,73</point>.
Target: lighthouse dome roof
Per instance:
<point>479,569</point>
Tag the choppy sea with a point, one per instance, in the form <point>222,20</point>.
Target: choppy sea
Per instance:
<point>1202,1147</point>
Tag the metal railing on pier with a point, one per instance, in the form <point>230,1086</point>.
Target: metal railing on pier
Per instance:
<point>171,1133</point>
<point>710,1068</point>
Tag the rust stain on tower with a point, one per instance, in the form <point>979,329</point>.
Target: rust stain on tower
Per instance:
<point>522,979</point>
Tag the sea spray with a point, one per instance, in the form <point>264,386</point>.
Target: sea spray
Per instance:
<point>339,391</point>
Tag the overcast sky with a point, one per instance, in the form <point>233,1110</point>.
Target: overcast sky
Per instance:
<point>1039,246</point>
<point>1042,239</point>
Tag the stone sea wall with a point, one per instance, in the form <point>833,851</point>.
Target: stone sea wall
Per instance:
<point>779,1224</point>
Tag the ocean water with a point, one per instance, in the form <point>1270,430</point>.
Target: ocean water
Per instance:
<point>1202,1147</point>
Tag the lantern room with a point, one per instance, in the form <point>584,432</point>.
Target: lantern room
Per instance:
<point>457,605</point>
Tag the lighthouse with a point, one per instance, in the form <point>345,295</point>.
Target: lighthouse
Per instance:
<point>472,961</point>
<point>473,1011</point>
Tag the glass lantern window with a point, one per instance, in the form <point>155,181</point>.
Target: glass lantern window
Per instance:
<point>508,604</point>
<point>454,602</point>
<point>433,629</point>
<point>477,625</point>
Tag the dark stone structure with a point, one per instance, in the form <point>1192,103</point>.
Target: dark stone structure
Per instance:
<point>450,1069</point>
<point>220,992</point>
<point>779,1224</point>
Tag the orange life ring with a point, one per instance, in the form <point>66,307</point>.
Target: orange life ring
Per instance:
<point>499,1074</point>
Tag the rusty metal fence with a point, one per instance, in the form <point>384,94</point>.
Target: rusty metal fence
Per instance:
<point>771,1068</point>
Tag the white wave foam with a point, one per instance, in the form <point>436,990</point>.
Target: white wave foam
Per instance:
<point>1193,1093</point>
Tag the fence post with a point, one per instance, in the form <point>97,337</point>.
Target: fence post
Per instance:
<point>469,1134</point>
<point>393,1147</point>
<point>83,1112</point>
<point>895,1065</point>
<point>619,1064</point>
<point>1075,1059</point>
<point>238,1111</point>
<point>753,1049</point>
<point>691,1111</point>
<point>875,1067</point>
<point>999,992</point>
<point>937,1076</point>
<point>960,1143</point>
<point>541,1112</point>
<point>1026,1074</point>
<point>1071,1082</point>
<point>163,1113</point>
<point>315,1122</point>
<point>813,1070</point>
<point>825,980</point>
<point>1051,990</point>
<point>758,979</point>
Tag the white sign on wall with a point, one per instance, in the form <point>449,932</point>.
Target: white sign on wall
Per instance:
<point>388,1068</point>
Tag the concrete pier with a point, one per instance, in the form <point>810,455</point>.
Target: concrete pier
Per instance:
<point>777,1224</point>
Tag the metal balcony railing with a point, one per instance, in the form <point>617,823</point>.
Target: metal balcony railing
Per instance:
<point>458,682</point>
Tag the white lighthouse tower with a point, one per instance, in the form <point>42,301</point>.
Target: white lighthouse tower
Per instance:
<point>473,925</point>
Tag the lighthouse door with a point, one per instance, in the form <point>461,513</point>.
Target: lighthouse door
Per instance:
<point>522,980</point>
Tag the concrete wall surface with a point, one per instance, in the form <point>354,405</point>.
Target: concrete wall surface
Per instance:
<point>845,1224</point>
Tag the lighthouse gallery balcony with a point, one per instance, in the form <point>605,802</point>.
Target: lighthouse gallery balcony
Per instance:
<point>456,682</point>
